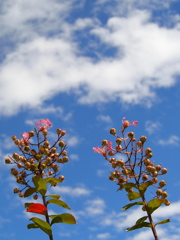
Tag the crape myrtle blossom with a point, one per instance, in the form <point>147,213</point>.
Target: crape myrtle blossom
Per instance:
<point>43,124</point>
<point>126,123</point>
<point>104,149</point>
<point>26,136</point>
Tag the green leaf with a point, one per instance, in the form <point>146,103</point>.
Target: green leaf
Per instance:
<point>26,205</point>
<point>40,184</point>
<point>29,192</point>
<point>163,221</point>
<point>154,204</point>
<point>54,196</point>
<point>129,185</point>
<point>133,195</point>
<point>131,205</point>
<point>63,218</point>
<point>32,225</point>
<point>144,186</point>
<point>137,226</point>
<point>44,226</point>
<point>58,202</point>
<point>52,180</point>
<point>141,220</point>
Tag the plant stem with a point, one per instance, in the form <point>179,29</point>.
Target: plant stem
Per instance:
<point>47,217</point>
<point>150,219</point>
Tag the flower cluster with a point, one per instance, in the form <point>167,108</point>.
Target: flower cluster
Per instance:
<point>41,158</point>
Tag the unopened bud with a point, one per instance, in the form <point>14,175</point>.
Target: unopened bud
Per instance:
<point>16,190</point>
<point>167,203</point>
<point>35,197</point>
<point>158,167</point>
<point>164,170</point>
<point>139,144</point>
<point>159,192</point>
<point>21,194</point>
<point>13,137</point>
<point>118,148</point>
<point>143,139</point>
<point>131,135</point>
<point>61,178</point>
<point>7,161</point>
<point>65,159</point>
<point>63,133</point>
<point>148,150</point>
<point>31,134</point>
<point>61,144</point>
<point>164,194</point>
<point>162,183</point>
<point>113,131</point>
<point>118,141</point>
<point>145,178</point>
<point>104,142</point>
<point>58,131</point>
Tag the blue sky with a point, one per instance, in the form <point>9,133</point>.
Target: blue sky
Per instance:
<point>85,65</point>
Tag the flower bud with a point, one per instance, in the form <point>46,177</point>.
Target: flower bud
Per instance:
<point>59,160</point>
<point>31,134</point>
<point>164,194</point>
<point>104,142</point>
<point>155,174</point>
<point>53,150</point>
<point>15,156</point>
<point>118,141</point>
<point>65,159</point>
<point>145,178</point>
<point>63,132</point>
<point>111,178</point>
<point>139,144</point>
<point>118,148</point>
<point>17,142</point>
<point>7,161</point>
<point>26,148</point>
<point>148,150</point>
<point>64,153</point>
<point>111,153</point>
<point>58,131</point>
<point>159,192</point>
<point>46,144</point>
<point>131,135</point>
<point>14,171</point>
<point>164,170</point>
<point>167,203</point>
<point>61,178</point>
<point>149,155</point>
<point>113,131</point>
<point>61,144</point>
<point>13,137</point>
<point>126,124</point>
<point>147,162</point>
<point>35,197</point>
<point>158,167</point>
<point>21,194</point>
<point>45,132</point>
<point>162,183</point>
<point>120,163</point>
<point>16,190</point>
<point>143,139</point>
<point>154,180</point>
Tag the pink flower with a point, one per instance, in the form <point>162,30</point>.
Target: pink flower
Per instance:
<point>44,124</point>
<point>104,149</point>
<point>26,136</point>
<point>126,123</point>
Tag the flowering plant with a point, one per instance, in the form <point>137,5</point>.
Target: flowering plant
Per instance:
<point>36,167</point>
<point>135,174</point>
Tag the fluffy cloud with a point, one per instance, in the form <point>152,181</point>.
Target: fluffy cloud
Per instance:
<point>46,58</point>
<point>172,140</point>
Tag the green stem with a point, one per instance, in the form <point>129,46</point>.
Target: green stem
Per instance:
<point>47,217</point>
<point>150,219</point>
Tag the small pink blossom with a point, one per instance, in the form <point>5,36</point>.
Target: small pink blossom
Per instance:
<point>126,123</point>
<point>26,136</point>
<point>44,124</point>
<point>104,149</point>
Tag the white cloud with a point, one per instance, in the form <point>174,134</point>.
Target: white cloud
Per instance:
<point>42,65</point>
<point>72,191</point>
<point>103,236</point>
<point>152,127</point>
<point>172,140</point>
<point>95,207</point>
<point>72,141</point>
<point>74,157</point>
<point>104,118</point>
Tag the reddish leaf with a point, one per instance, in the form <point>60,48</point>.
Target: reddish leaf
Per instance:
<point>37,208</point>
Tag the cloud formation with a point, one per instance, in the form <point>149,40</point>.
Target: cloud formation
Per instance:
<point>46,59</point>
